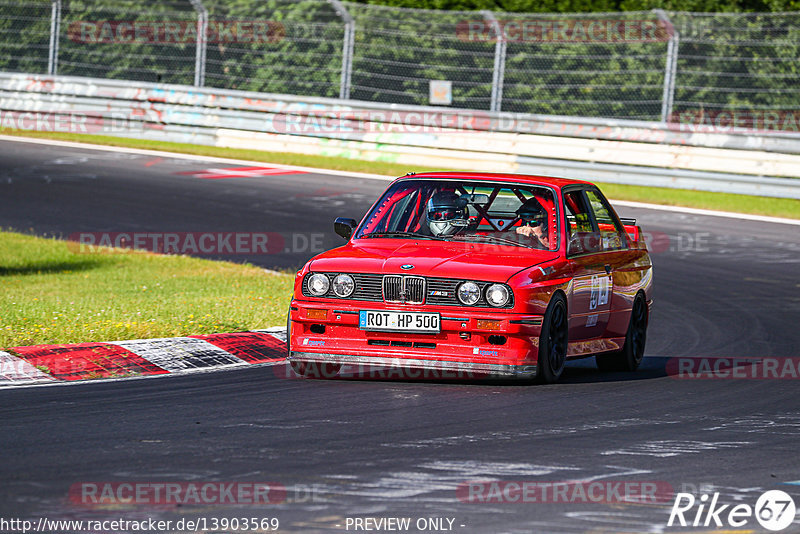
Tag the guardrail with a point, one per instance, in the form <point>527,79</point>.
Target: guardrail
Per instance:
<point>645,65</point>
<point>618,151</point>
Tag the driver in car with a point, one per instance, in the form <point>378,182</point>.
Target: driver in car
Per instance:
<point>446,213</point>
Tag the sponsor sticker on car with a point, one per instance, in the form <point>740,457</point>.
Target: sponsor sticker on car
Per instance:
<point>397,321</point>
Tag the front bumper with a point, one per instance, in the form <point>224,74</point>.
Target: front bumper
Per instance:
<point>328,331</point>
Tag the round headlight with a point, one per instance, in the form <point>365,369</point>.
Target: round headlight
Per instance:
<point>497,295</point>
<point>318,284</point>
<point>469,293</point>
<point>343,285</point>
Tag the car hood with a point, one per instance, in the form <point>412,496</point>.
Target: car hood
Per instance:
<point>472,261</point>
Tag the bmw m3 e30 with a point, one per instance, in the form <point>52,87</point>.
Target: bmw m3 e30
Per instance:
<point>485,274</point>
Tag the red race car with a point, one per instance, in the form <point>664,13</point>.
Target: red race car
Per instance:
<point>476,274</point>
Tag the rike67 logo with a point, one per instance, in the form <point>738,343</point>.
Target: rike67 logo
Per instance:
<point>774,510</point>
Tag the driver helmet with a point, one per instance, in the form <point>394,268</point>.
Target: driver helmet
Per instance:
<point>532,213</point>
<point>446,213</point>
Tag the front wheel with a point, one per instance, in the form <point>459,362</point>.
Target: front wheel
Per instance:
<point>553,341</point>
<point>631,355</point>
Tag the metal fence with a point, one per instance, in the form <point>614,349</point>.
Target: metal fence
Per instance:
<point>647,65</point>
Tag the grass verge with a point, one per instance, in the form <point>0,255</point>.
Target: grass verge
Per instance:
<point>50,294</point>
<point>775,207</point>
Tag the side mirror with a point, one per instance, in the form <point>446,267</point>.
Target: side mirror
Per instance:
<point>344,227</point>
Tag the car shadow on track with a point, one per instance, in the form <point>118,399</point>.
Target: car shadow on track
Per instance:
<point>576,372</point>
<point>584,371</point>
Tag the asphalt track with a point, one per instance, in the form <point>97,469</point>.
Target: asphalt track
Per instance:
<point>724,288</point>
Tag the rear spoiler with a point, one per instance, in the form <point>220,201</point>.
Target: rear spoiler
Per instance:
<point>634,232</point>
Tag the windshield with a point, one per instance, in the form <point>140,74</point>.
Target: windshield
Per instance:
<point>507,214</point>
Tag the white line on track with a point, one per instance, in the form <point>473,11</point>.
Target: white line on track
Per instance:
<point>195,157</point>
<point>711,213</point>
<point>314,170</point>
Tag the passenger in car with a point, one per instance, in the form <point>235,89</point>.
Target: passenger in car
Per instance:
<point>534,222</point>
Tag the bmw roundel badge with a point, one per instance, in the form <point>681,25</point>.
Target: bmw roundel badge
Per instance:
<point>407,267</point>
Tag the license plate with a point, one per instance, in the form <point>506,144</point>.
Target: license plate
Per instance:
<point>394,321</point>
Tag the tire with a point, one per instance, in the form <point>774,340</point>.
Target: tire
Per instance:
<point>553,341</point>
<point>632,353</point>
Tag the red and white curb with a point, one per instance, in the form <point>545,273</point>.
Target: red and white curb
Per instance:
<point>141,357</point>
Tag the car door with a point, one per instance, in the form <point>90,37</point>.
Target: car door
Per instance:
<point>616,254</point>
<point>589,303</point>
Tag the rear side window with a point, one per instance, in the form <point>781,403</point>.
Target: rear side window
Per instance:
<point>612,234</point>
<point>578,219</point>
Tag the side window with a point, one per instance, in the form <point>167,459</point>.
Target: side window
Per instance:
<point>391,210</point>
<point>582,236</point>
<point>612,234</point>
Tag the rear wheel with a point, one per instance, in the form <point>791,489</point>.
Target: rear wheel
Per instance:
<point>553,341</point>
<point>631,355</point>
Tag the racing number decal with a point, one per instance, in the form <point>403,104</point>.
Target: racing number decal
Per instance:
<point>604,283</point>
<point>599,295</point>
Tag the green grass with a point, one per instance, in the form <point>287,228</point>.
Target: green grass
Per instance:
<point>50,294</point>
<point>776,207</point>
